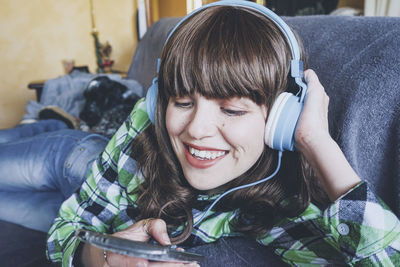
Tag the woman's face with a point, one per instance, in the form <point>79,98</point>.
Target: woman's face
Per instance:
<point>215,140</point>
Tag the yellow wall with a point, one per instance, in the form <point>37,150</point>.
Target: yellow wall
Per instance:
<point>36,35</point>
<point>352,3</point>
<point>171,8</point>
<point>167,8</point>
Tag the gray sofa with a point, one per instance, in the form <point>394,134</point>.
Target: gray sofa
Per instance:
<point>357,60</point>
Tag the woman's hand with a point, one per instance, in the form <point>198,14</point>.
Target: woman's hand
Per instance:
<point>312,128</point>
<point>144,229</point>
<point>140,231</point>
<point>313,140</point>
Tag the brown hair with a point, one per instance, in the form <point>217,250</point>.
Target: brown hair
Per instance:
<point>222,52</point>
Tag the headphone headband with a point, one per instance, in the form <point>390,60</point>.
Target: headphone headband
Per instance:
<point>296,64</point>
<point>294,47</point>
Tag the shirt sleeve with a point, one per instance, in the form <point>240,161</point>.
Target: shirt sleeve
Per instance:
<point>101,203</point>
<point>366,230</point>
<point>358,229</point>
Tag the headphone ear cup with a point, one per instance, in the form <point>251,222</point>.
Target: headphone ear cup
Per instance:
<point>282,121</point>
<point>151,100</point>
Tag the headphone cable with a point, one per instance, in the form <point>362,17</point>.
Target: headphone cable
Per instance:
<point>241,187</point>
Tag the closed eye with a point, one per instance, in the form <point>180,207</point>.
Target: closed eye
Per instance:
<point>183,104</point>
<point>232,112</point>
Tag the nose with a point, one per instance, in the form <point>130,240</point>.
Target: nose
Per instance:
<point>203,122</point>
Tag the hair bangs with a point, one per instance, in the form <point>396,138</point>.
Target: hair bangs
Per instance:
<point>217,61</point>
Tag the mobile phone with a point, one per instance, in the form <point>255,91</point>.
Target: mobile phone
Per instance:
<point>136,249</point>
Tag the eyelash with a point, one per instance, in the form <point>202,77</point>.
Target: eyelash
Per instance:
<point>183,104</point>
<point>231,112</point>
<point>227,111</point>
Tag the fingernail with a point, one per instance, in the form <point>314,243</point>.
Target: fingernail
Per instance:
<point>165,237</point>
<point>194,264</point>
<point>141,264</point>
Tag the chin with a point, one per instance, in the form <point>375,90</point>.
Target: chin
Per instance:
<point>201,185</point>
<point>206,187</point>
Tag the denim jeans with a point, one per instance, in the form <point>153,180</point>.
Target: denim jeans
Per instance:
<point>41,165</point>
<point>30,130</point>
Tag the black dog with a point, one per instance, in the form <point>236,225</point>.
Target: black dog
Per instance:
<point>103,95</point>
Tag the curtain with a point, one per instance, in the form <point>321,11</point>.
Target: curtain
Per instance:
<point>382,8</point>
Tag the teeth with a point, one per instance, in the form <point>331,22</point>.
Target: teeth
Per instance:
<point>205,154</point>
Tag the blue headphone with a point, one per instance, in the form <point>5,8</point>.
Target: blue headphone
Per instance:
<point>285,112</point>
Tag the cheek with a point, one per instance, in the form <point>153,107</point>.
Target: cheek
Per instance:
<point>175,121</point>
<point>169,121</point>
<point>247,137</point>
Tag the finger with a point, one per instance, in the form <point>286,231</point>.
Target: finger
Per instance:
<point>165,264</point>
<point>157,228</point>
<point>146,224</point>
<point>173,264</point>
<point>138,262</point>
<point>313,82</point>
<point>114,259</point>
<point>134,232</point>
<point>310,76</point>
<point>315,87</point>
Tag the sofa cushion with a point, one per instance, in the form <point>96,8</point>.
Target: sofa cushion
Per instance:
<point>358,62</point>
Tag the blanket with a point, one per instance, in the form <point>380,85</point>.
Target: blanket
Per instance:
<point>357,60</point>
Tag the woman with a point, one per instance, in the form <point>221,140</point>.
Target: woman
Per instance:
<point>220,72</point>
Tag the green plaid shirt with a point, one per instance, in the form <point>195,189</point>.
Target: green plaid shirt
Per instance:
<point>358,229</point>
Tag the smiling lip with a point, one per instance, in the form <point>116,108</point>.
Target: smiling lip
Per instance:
<point>202,163</point>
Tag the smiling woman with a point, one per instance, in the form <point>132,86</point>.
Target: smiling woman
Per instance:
<point>201,133</point>
<point>210,137</point>
<point>216,84</point>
